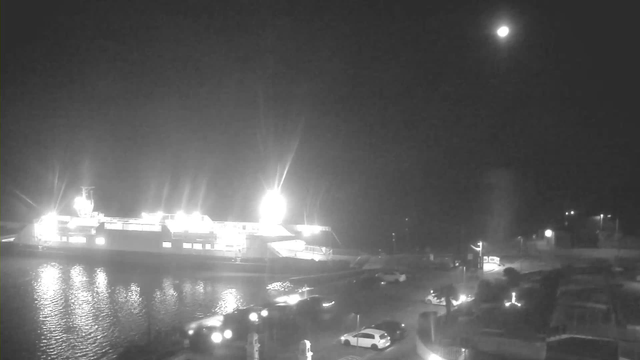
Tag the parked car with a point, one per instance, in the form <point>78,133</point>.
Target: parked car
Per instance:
<point>198,333</point>
<point>367,282</point>
<point>316,307</point>
<point>367,338</point>
<point>392,276</point>
<point>395,329</point>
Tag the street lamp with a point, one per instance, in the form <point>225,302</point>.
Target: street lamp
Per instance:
<point>566,216</point>
<point>407,229</point>
<point>393,238</point>
<point>479,250</point>
<point>552,235</point>
<point>503,31</point>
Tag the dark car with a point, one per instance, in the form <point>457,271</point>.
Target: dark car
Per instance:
<point>198,333</point>
<point>395,329</point>
<point>237,324</point>
<point>316,307</point>
<point>367,282</point>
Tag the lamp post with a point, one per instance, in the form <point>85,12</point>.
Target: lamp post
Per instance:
<point>601,219</point>
<point>357,329</point>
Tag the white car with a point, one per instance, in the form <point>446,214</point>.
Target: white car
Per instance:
<point>392,276</point>
<point>367,338</point>
<point>436,299</point>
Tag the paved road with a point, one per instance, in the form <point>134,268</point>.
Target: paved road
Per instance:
<point>402,302</point>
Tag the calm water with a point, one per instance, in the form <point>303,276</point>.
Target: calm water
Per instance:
<point>73,310</point>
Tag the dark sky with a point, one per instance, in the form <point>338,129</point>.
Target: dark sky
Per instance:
<point>382,109</point>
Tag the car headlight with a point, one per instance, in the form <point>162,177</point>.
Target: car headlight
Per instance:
<point>227,334</point>
<point>216,337</point>
<point>264,313</point>
<point>253,317</point>
<point>190,332</point>
<point>293,299</point>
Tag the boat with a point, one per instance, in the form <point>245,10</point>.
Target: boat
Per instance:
<point>183,239</point>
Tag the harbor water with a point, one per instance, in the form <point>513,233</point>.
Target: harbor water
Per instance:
<point>75,309</point>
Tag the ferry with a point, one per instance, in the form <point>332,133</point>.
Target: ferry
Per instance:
<point>182,238</point>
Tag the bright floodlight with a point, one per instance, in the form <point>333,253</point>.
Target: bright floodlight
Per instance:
<point>548,233</point>
<point>503,31</point>
<point>272,208</point>
<point>83,206</point>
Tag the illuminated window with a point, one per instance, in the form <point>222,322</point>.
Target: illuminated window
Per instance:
<point>187,245</point>
<point>155,228</point>
<point>133,227</point>
<point>197,246</point>
<point>113,226</point>
<point>166,244</point>
<point>100,240</point>
<point>207,246</point>
<point>77,239</point>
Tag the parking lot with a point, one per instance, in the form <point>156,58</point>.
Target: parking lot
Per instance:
<point>359,305</point>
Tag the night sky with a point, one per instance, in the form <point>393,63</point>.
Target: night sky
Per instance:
<point>379,110</point>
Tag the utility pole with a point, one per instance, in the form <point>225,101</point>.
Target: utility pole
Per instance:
<point>357,329</point>
<point>615,235</point>
<point>521,245</point>
<point>460,241</point>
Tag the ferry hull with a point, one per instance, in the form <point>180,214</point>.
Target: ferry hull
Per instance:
<point>147,250</point>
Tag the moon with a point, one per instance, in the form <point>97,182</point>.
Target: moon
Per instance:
<point>503,31</point>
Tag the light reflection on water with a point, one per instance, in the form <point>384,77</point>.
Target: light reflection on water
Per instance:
<point>229,301</point>
<point>49,295</point>
<point>73,311</point>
